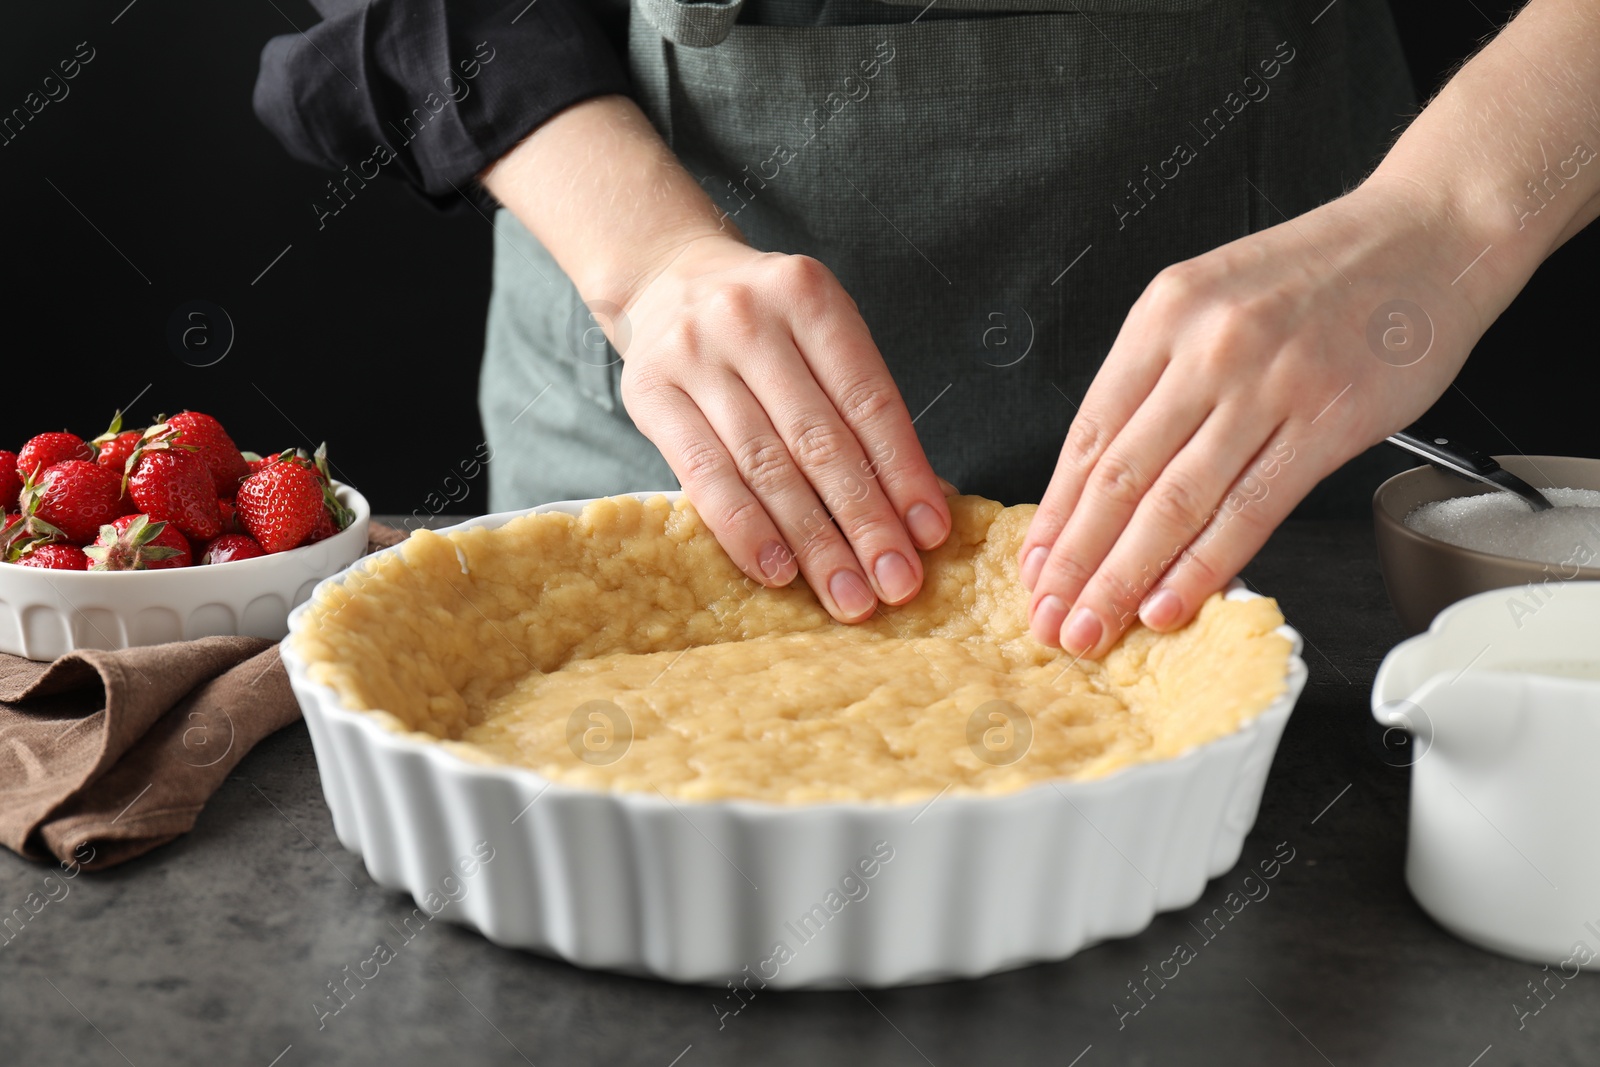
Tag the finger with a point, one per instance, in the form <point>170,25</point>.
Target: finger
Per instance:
<point>849,484</point>
<point>1182,502</point>
<point>768,470</point>
<point>1121,386</point>
<point>836,344</point>
<point>1114,488</point>
<point>948,488</point>
<point>1276,480</point>
<point>729,509</point>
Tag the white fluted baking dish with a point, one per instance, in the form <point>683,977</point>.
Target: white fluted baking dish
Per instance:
<point>46,613</point>
<point>960,886</point>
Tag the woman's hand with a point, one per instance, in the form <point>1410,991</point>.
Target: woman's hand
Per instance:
<point>1243,376</point>
<point>752,373</point>
<point>1239,379</point>
<point>755,376</point>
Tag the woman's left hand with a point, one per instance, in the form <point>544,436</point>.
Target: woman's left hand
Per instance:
<point>1239,379</point>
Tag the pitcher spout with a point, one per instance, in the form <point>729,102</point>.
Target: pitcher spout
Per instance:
<point>1463,715</point>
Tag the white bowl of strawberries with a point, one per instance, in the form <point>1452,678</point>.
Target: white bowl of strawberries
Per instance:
<point>141,537</point>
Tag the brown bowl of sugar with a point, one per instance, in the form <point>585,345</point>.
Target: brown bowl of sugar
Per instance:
<point>1441,538</point>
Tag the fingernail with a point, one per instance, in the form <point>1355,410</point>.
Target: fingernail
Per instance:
<point>895,577</point>
<point>1048,615</point>
<point>851,594</point>
<point>927,529</point>
<point>774,561</point>
<point>1083,632</point>
<point>1160,609</point>
<point>1033,565</point>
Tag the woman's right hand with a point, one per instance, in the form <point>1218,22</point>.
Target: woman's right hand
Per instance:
<point>756,377</point>
<point>751,372</point>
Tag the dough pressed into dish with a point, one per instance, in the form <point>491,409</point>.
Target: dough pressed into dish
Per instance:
<point>621,649</point>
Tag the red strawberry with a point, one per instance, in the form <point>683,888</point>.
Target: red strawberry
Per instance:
<point>279,505</point>
<point>54,556</point>
<point>169,483</point>
<point>134,543</point>
<point>335,515</point>
<point>77,497</point>
<point>115,452</point>
<point>324,528</point>
<point>113,447</point>
<point>255,462</point>
<point>48,449</point>
<point>223,459</point>
<point>10,480</point>
<point>230,547</point>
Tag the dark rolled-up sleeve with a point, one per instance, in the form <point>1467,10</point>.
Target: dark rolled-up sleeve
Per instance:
<point>428,91</point>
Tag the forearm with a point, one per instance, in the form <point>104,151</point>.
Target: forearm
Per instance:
<point>1505,157</point>
<point>602,191</point>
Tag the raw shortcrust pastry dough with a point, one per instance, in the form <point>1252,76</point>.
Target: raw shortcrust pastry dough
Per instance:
<point>488,640</point>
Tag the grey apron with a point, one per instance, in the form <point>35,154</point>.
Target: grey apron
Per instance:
<point>993,191</point>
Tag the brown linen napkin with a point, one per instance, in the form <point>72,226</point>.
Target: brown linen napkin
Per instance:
<point>106,755</point>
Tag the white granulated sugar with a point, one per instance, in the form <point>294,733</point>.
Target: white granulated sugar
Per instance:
<point>1501,524</point>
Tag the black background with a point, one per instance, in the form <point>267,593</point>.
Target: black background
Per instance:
<point>368,332</point>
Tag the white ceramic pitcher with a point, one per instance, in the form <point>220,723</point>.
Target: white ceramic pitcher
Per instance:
<point>1502,698</point>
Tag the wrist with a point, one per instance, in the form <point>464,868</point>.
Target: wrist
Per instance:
<point>1470,241</point>
<point>597,186</point>
<point>622,280</point>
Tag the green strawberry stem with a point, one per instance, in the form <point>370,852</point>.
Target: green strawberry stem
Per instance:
<point>110,435</point>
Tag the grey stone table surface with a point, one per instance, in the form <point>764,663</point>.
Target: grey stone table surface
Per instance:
<point>214,949</point>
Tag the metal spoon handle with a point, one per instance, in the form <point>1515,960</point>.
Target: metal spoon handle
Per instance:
<point>1466,462</point>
